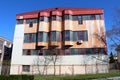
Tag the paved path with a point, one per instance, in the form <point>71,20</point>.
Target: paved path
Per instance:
<point>113,78</point>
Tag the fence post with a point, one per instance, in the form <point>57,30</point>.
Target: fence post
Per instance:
<point>46,70</point>
<point>72,69</point>
<point>85,69</point>
<point>32,69</point>
<point>18,69</point>
<point>96,68</point>
<point>59,69</point>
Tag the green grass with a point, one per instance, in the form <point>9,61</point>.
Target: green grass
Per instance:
<point>79,77</point>
<point>70,77</point>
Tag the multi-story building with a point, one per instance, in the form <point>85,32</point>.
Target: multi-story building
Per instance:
<point>5,55</point>
<point>67,32</point>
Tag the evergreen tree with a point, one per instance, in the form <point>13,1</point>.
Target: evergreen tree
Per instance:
<point>111,58</point>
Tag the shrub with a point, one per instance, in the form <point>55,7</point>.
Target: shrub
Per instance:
<point>16,77</point>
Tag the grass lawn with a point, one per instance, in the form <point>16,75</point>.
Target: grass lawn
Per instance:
<point>70,77</point>
<point>79,77</point>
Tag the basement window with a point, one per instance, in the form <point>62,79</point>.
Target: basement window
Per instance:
<point>26,68</point>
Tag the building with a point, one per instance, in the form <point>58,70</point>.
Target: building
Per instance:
<point>5,55</point>
<point>68,32</point>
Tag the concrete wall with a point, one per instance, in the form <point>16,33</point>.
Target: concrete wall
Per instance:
<point>63,69</point>
<point>17,47</point>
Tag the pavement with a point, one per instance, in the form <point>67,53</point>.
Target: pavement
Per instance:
<point>113,78</point>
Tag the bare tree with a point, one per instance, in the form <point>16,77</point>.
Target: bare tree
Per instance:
<point>55,58</point>
<point>46,60</point>
<point>101,37</point>
<point>42,62</point>
<point>114,33</point>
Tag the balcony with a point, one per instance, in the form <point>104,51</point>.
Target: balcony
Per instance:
<point>29,45</point>
<point>42,44</point>
<point>55,44</point>
<point>68,43</point>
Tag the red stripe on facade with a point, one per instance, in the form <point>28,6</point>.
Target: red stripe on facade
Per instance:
<point>46,14</point>
<point>68,12</point>
<point>58,11</point>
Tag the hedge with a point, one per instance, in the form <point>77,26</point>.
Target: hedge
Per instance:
<point>16,77</point>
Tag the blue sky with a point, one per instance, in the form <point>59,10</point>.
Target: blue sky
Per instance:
<point>9,9</point>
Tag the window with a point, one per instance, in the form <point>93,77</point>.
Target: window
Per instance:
<point>46,52</point>
<point>82,51</point>
<point>55,36</point>
<point>86,17</point>
<point>82,35</point>
<point>80,20</point>
<point>40,52</point>
<point>26,68</point>
<point>68,16</point>
<point>41,18</point>
<point>53,52</point>
<point>67,51</point>
<point>40,36</point>
<point>92,17</point>
<point>34,52</point>
<point>75,35</point>
<point>88,51</point>
<point>20,21</point>
<point>96,51</point>
<point>75,17</point>
<point>30,37</point>
<point>54,17</point>
<point>97,17</point>
<point>28,52</point>
<point>46,19</point>
<point>45,36</point>
<point>101,51</point>
<point>31,24</point>
<point>24,52</point>
<point>74,51</point>
<point>68,35</point>
<point>28,21</point>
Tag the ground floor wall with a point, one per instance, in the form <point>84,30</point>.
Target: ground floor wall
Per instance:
<point>61,69</point>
